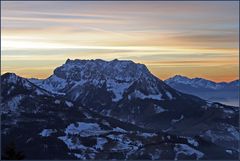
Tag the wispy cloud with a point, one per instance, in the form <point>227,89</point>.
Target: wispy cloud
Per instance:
<point>161,34</point>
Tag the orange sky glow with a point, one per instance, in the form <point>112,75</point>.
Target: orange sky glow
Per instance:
<point>194,39</point>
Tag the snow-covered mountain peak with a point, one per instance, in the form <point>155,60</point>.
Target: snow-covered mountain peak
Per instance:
<point>116,79</point>
<point>19,84</point>
<point>235,83</point>
<point>12,78</point>
<point>194,82</point>
<point>178,78</point>
<point>101,70</point>
<point>199,82</point>
<point>9,77</point>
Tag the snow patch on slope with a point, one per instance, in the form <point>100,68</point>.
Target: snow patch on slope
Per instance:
<point>52,84</point>
<point>169,95</point>
<point>72,145</point>
<point>14,102</point>
<point>84,129</point>
<point>218,135</point>
<point>146,135</point>
<point>177,120</point>
<point>100,142</point>
<point>47,132</point>
<point>192,141</point>
<point>159,109</point>
<point>118,129</point>
<point>69,104</point>
<point>140,95</point>
<point>117,89</point>
<point>187,150</point>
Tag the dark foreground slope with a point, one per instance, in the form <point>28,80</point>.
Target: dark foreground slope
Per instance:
<point>112,110</point>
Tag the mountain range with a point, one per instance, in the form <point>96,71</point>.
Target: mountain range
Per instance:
<point>96,109</point>
<point>223,92</point>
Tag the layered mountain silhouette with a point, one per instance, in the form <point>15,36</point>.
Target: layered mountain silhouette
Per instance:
<point>223,92</point>
<point>95,109</point>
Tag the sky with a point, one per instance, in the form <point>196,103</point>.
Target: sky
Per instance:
<point>195,39</point>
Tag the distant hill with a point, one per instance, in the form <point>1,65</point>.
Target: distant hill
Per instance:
<point>224,92</point>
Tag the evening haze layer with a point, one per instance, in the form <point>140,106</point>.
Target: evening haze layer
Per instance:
<point>196,39</point>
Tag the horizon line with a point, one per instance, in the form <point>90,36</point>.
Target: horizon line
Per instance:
<point>117,59</point>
